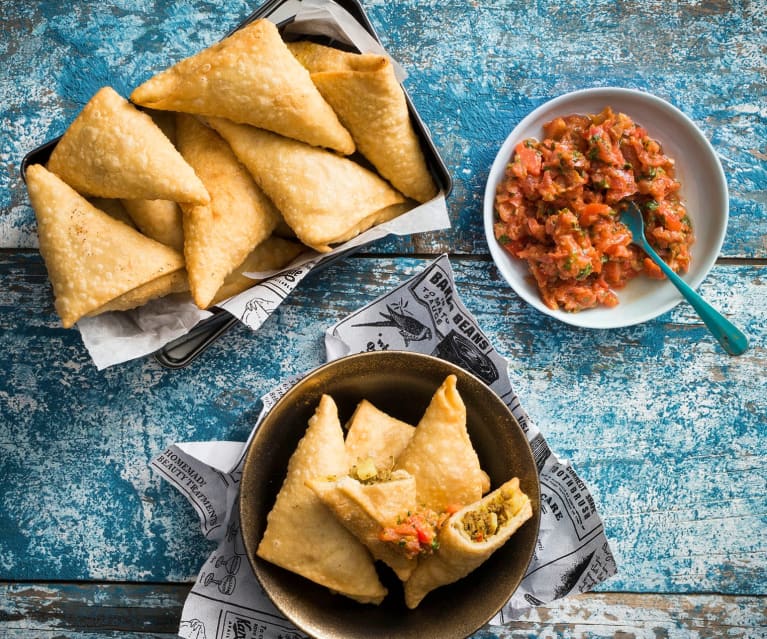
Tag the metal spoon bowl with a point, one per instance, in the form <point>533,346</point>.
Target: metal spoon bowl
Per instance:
<point>730,337</point>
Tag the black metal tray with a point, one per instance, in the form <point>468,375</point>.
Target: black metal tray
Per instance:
<point>183,350</point>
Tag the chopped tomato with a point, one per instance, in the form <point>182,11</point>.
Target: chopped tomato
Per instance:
<point>590,213</point>
<point>425,536</point>
<point>416,533</point>
<point>556,208</point>
<point>529,158</point>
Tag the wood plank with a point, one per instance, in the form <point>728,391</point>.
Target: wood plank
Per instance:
<point>636,616</point>
<point>475,71</point>
<point>666,429</point>
<point>90,609</point>
<point>152,610</point>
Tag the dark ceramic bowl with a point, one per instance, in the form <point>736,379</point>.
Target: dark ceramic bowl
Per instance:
<point>401,384</point>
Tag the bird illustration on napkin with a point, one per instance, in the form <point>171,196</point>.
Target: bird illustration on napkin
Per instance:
<point>408,326</point>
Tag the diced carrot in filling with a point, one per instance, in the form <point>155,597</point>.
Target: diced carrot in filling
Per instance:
<point>557,208</point>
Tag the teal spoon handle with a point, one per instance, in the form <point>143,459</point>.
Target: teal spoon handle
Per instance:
<point>730,337</point>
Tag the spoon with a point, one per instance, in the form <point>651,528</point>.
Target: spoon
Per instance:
<point>729,336</point>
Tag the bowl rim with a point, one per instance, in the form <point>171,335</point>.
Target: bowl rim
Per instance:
<point>295,389</point>
<point>693,277</point>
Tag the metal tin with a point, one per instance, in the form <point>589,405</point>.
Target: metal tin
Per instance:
<point>183,350</point>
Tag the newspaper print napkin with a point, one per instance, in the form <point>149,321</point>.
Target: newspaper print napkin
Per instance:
<point>424,314</point>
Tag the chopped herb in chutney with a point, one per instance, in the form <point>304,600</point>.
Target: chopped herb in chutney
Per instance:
<point>581,174</point>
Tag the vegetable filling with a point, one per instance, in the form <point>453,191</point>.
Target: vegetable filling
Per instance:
<point>482,523</point>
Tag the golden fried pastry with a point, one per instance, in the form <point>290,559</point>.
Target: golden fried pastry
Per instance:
<point>440,456</point>
<point>159,219</point>
<point>376,435</point>
<point>468,538</point>
<point>251,78</point>
<point>365,509</point>
<point>218,236</point>
<point>114,208</point>
<point>325,198</point>
<point>91,257</point>
<point>332,557</point>
<point>369,101</point>
<point>175,282</point>
<point>113,150</point>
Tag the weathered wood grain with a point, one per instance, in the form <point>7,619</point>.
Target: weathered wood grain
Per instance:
<point>28,609</point>
<point>475,70</point>
<point>142,611</point>
<point>666,429</point>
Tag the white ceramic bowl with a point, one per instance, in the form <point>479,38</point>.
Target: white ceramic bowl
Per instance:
<point>703,190</point>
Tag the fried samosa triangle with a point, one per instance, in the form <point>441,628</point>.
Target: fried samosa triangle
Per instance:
<point>366,509</point>
<point>325,198</point>
<point>440,456</point>
<point>374,434</point>
<point>159,219</point>
<point>218,236</point>
<point>369,101</point>
<point>252,78</point>
<point>113,150</point>
<point>114,208</point>
<point>175,282</point>
<point>468,538</point>
<point>302,535</point>
<point>91,257</point>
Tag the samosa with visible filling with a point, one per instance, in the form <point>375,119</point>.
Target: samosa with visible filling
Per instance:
<point>325,198</point>
<point>468,538</point>
<point>366,508</point>
<point>219,235</point>
<point>330,555</point>
<point>252,78</point>
<point>440,456</point>
<point>91,257</point>
<point>113,150</point>
<point>369,101</point>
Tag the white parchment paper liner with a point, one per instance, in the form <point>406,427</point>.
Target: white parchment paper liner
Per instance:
<point>117,337</point>
<point>425,315</point>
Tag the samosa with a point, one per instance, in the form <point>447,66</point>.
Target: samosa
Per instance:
<point>370,103</point>
<point>468,538</point>
<point>91,257</point>
<point>252,78</point>
<point>441,456</point>
<point>113,150</point>
<point>219,235</point>
<point>325,198</point>
<point>327,553</point>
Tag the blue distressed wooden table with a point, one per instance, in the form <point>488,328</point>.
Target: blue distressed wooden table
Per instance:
<point>668,431</point>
